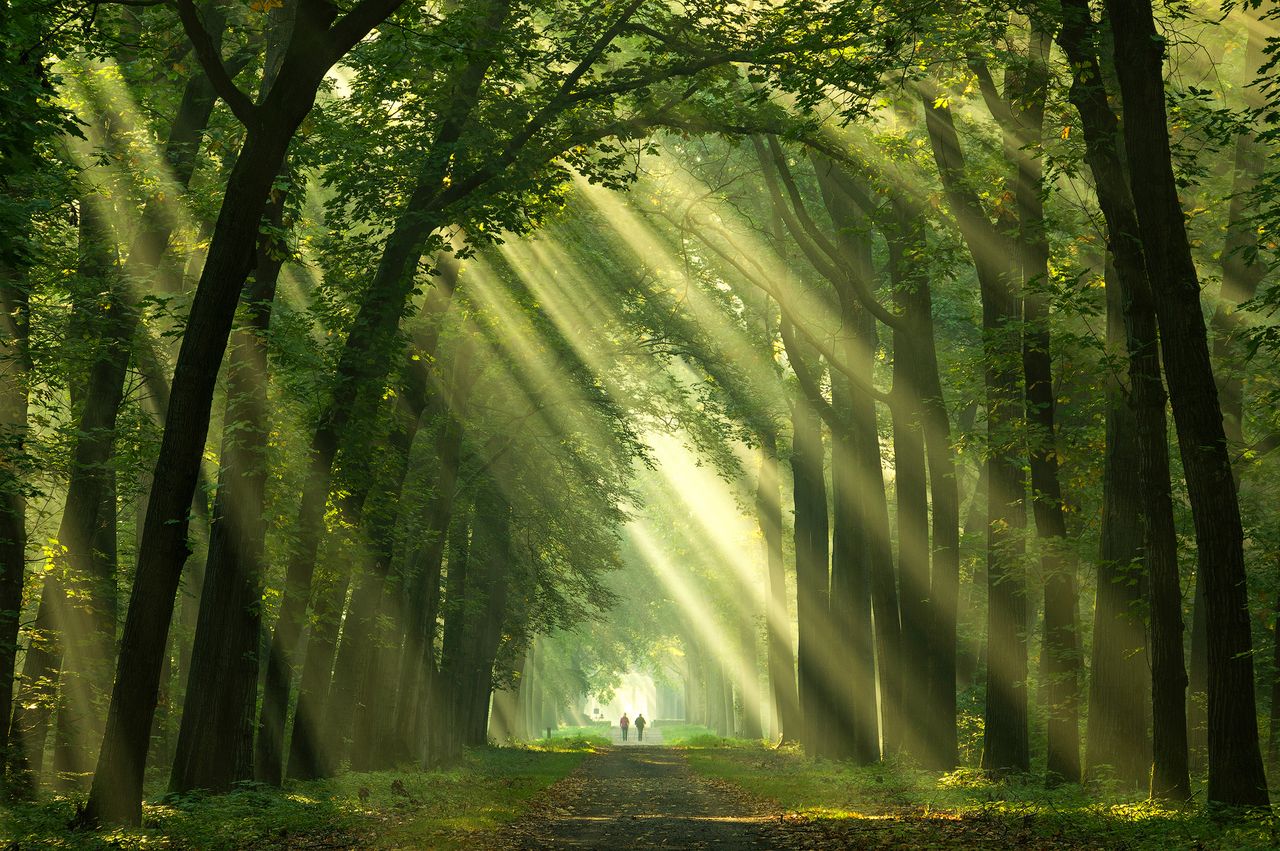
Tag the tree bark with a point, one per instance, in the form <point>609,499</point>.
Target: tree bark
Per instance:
<point>1169,775</point>
<point>1006,745</point>
<point>907,250</point>
<point>215,739</point>
<point>1242,272</point>
<point>1061,641</point>
<point>1119,681</point>
<point>782,661</point>
<point>15,365</point>
<point>116,794</point>
<point>812,606</point>
<point>1236,775</point>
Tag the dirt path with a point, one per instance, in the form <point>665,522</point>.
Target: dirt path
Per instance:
<point>644,797</point>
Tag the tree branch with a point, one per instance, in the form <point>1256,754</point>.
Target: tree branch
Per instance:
<point>785,306</point>
<point>808,382</point>
<point>211,60</point>
<point>358,23</point>
<point>861,289</point>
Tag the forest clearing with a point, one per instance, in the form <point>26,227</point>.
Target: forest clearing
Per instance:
<point>644,423</point>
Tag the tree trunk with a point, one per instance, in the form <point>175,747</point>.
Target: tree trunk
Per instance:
<point>444,693</point>
<point>856,717</point>
<point>1242,272</point>
<point>422,590</point>
<point>1119,670</point>
<point>910,488</point>
<point>1236,775</point>
<point>87,620</point>
<point>358,663</point>
<point>907,249</point>
<point>1169,776</point>
<point>215,739</point>
<point>117,789</point>
<point>782,662</point>
<point>1273,728</point>
<point>812,608</point>
<point>104,392</point>
<point>15,364</point>
<point>485,606</point>
<point>1006,745</point>
<point>1061,643</point>
<point>862,532</point>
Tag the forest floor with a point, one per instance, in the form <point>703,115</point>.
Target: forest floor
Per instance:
<point>707,793</point>
<point>821,804</point>
<point>461,807</point>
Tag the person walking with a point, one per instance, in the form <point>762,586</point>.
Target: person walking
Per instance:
<point>640,722</point>
<point>624,722</point>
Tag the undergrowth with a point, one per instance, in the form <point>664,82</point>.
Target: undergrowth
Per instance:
<point>443,809</point>
<point>896,805</point>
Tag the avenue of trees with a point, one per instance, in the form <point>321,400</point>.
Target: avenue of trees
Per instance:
<point>379,378</point>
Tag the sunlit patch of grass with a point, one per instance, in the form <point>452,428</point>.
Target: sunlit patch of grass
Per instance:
<point>866,806</point>
<point>588,737</point>
<point>697,736</point>
<point>571,743</point>
<point>446,809</point>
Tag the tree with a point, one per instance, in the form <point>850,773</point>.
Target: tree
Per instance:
<point>1235,760</point>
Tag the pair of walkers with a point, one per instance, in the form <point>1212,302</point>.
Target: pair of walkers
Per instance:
<point>625,723</point>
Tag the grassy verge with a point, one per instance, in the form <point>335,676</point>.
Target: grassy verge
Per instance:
<point>836,805</point>
<point>446,809</point>
<point>591,735</point>
<point>698,736</point>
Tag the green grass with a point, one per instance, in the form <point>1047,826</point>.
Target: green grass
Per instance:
<point>588,736</point>
<point>697,736</point>
<point>898,806</point>
<point>446,809</point>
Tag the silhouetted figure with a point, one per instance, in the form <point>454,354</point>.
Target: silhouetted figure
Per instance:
<point>624,722</point>
<point>640,723</point>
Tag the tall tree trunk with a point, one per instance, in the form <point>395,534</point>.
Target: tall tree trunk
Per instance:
<point>1169,775</point>
<point>1242,272</point>
<point>215,740</point>
<point>857,716</point>
<point>309,749</point>
<point>87,621</point>
<point>486,603</point>
<point>422,590</point>
<point>782,661</point>
<point>104,392</point>
<point>357,669</point>
<point>812,607</point>
<point>1236,775</point>
<point>866,504</point>
<point>913,543</point>
<point>214,747</point>
<point>748,676</point>
<point>1061,641</point>
<point>443,688</point>
<point>1119,671</point>
<point>358,664</point>
<point>15,365</point>
<point>1006,745</point>
<point>1273,728</point>
<point>116,794</point>
<point>907,251</point>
